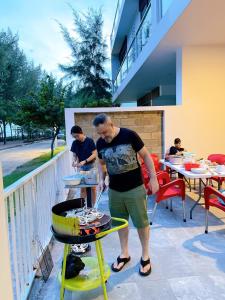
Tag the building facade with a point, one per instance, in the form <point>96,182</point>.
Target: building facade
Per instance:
<point>170,54</point>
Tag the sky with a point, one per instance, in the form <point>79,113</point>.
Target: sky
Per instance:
<point>39,34</point>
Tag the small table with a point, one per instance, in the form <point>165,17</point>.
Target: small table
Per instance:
<point>188,174</point>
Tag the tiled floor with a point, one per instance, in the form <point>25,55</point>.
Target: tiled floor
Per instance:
<point>187,264</point>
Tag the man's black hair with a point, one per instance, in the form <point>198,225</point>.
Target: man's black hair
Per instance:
<point>100,119</point>
<point>76,129</point>
<point>177,141</point>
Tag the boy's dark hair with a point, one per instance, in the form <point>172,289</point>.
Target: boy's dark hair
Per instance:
<point>100,119</point>
<point>177,141</point>
<point>76,129</point>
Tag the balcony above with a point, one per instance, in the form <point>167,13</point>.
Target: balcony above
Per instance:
<point>125,13</point>
<point>183,25</point>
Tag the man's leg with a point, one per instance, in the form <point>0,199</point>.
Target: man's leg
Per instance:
<point>144,238</point>
<point>118,209</point>
<point>123,236</point>
<point>93,195</point>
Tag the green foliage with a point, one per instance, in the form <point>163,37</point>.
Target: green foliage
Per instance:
<point>18,77</point>
<point>88,56</point>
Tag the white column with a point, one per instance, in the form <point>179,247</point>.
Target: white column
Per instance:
<point>69,123</point>
<point>156,12</point>
<point>6,289</point>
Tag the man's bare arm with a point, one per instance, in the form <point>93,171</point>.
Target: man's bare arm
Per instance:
<point>144,154</point>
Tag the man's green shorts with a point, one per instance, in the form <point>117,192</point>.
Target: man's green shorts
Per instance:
<point>131,203</point>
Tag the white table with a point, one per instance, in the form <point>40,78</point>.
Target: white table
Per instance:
<point>188,174</point>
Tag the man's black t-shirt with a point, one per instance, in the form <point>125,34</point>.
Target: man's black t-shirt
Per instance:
<point>121,161</point>
<point>174,150</point>
<point>84,149</point>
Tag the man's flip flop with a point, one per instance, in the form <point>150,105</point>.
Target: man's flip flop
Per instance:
<point>143,264</point>
<point>124,260</point>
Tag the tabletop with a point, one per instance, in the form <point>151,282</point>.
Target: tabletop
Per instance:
<point>189,174</point>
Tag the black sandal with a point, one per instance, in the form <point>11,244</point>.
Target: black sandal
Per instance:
<point>143,264</point>
<point>124,260</point>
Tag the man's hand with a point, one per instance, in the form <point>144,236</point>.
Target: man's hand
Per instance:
<point>154,184</point>
<point>82,163</point>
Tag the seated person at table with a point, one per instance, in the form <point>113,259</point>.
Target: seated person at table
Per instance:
<point>176,149</point>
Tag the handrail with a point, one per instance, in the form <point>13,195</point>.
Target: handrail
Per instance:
<point>135,37</point>
<point>13,187</point>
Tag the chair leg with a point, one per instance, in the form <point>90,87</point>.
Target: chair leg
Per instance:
<point>171,204</point>
<point>153,213</point>
<point>167,206</point>
<point>206,220</point>
<point>184,212</point>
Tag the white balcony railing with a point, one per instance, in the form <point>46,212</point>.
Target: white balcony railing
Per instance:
<point>115,21</point>
<point>140,40</point>
<point>28,205</point>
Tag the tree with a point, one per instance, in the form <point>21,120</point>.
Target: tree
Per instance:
<point>18,77</point>
<point>45,109</point>
<point>88,52</point>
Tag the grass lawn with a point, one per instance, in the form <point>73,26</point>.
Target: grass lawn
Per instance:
<point>28,167</point>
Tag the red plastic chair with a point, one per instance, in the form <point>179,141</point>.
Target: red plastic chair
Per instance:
<point>144,171</point>
<point>167,190</point>
<point>220,159</point>
<point>211,199</point>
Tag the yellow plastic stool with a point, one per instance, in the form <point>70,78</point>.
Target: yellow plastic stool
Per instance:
<point>99,271</point>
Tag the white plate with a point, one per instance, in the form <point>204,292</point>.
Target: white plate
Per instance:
<point>199,170</point>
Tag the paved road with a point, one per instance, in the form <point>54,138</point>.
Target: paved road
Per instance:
<point>14,157</point>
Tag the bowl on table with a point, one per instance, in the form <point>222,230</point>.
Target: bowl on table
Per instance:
<point>189,157</point>
<point>189,166</point>
<point>220,169</point>
<point>176,159</point>
<point>73,179</point>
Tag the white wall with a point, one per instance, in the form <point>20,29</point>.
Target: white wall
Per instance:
<point>200,119</point>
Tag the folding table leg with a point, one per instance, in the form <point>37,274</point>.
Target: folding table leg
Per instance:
<point>184,213</point>
<point>171,204</point>
<point>199,197</point>
<point>206,220</point>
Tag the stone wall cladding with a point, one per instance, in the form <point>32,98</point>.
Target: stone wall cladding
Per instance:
<point>147,124</point>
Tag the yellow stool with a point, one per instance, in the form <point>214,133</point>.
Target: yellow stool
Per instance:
<point>99,270</point>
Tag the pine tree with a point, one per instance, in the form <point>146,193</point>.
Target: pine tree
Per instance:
<point>88,53</point>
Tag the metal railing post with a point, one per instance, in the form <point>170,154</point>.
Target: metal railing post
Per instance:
<point>6,288</point>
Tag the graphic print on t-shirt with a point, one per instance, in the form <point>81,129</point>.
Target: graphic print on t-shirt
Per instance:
<point>119,159</point>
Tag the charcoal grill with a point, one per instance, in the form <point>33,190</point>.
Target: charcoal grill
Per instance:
<point>68,230</point>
